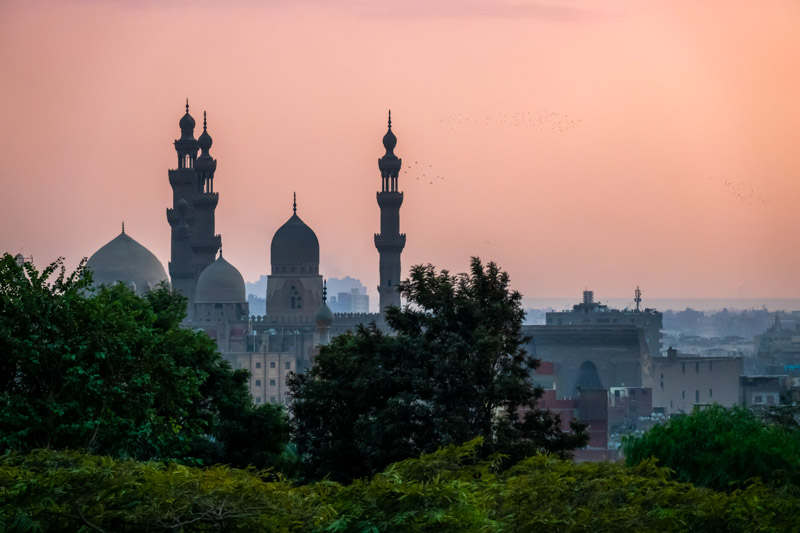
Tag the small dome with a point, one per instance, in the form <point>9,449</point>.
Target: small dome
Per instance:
<point>389,141</point>
<point>324,316</point>
<point>123,259</point>
<point>294,243</point>
<point>220,283</point>
<point>187,122</point>
<point>205,139</point>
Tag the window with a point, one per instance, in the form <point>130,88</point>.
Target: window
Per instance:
<point>258,400</point>
<point>662,384</point>
<point>272,383</point>
<point>388,283</point>
<point>288,365</point>
<point>697,367</point>
<point>697,396</point>
<point>710,393</point>
<point>683,394</point>
<point>293,302</point>
<point>758,400</point>
<point>258,383</point>
<point>258,364</point>
<point>272,399</point>
<point>272,364</point>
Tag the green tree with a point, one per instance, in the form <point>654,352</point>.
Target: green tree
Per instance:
<point>455,370</point>
<point>111,372</point>
<point>721,448</point>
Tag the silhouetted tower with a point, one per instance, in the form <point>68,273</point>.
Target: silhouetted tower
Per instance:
<point>389,242</point>
<point>194,244</point>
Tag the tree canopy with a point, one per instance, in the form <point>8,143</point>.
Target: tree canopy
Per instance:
<point>721,448</point>
<point>113,373</point>
<point>453,370</point>
<point>450,490</point>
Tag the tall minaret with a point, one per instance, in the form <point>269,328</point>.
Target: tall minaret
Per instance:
<point>194,244</point>
<point>389,242</point>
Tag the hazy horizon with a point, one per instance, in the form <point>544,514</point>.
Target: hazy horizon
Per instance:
<point>576,144</point>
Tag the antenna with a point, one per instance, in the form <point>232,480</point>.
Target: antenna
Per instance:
<point>638,298</point>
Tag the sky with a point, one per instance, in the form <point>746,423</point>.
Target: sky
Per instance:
<point>578,144</point>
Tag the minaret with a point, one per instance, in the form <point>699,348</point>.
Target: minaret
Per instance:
<point>193,244</point>
<point>389,242</point>
<point>204,243</point>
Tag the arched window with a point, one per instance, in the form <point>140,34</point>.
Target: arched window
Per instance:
<point>293,302</point>
<point>299,303</point>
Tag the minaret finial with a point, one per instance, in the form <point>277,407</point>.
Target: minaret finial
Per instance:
<point>390,119</point>
<point>294,203</point>
<point>220,251</point>
<point>187,104</point>
<point>204,121</point>
<point>123,226</point>
<point>324,290</point>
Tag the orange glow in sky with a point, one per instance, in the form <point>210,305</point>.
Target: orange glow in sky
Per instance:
<point>577,144</point>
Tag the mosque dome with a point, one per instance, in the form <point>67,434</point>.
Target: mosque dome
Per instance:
<point>220,283</point>
<point>123,259</point>
<point>294,243</point>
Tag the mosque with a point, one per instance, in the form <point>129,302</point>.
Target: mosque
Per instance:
<point>298,319</point>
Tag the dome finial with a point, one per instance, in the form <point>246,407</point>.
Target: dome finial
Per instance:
<point>324,290</point>
<point>390,119</point>
<point>187,104</point>
<point>123,226</point>
<point>294,203</point>
<point>204,121</point>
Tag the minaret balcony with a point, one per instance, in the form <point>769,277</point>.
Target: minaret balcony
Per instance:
<point>206,200</point>
<point>389,243</point>
<point>206,243</point>
<point>390,199</point>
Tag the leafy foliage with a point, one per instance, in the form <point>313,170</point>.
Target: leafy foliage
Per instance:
<point>450,490</point>
<point>721,448</point>
<point>113,373</point>
<point>455,370</point>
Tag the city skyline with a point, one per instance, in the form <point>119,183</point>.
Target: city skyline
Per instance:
<point>576,146</point>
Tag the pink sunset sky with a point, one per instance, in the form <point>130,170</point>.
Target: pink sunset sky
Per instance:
<point>576,143</point>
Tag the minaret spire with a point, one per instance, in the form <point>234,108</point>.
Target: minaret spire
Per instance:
<point>389,242</point>
<point>123,226</point>
<point>294,203</point>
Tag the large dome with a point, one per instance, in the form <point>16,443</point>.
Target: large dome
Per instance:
<point>294,243</point>
<point>123,259</point>
<point>220,283</point>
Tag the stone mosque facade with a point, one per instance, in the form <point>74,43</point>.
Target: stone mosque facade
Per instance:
<point>298,319</point>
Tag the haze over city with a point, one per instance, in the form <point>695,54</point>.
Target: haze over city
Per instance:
<point>577,144</point>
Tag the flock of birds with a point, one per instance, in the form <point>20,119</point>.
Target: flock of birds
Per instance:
<point>422,172</point>
<point>544,120</point>
<point>742,191</point>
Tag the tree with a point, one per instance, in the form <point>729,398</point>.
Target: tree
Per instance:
<point>111,372</point>
<point>721,448</point>
<point>454,370</point>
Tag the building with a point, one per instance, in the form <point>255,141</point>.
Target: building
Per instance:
<point>591,313</point>
<point>616,351</point>
<point>764,391</point>
<point>681,381</point>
